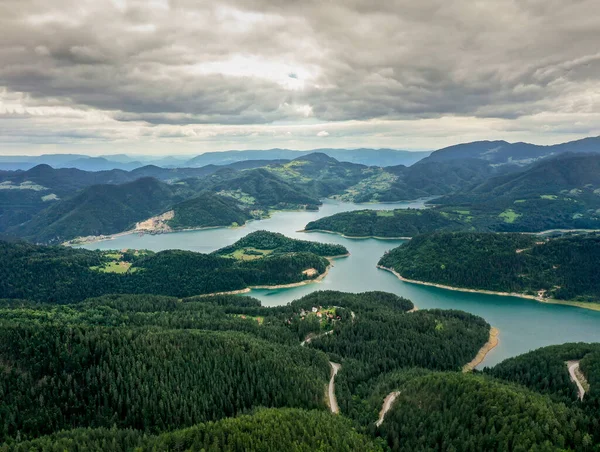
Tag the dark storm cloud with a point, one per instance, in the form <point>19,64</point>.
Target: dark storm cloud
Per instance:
<point>259,61</point>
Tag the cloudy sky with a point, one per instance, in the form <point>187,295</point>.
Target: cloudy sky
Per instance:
<point>187,76</point>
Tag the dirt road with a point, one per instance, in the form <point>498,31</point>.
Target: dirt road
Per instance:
<point>387,404</point>
<point>335,367</point>
<point>573,371</point>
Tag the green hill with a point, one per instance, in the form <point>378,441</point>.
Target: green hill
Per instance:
<point>146,379</point>
<point>545,370</point>
<point>258,189</point>
<point>148,372</point>
<point>206,210</point>
<point>265,430</point>
<point>426,179</point>
<point>324,176</point>
<point>468,412</point>
<point>321,175</point>
<point>556,193</point>
<point>559,193</point>
<point>265,243</point>
<point>562,268</point>
<point>387,223</point>
<point>64,275</point>
<point>109,209</point>
<point>100,209</point>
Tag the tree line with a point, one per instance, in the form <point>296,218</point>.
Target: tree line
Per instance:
<point>63,275</point>
<point>564,268</point>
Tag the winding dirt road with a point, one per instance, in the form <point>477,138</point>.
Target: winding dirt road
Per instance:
<point>575,374</point>
<point>310,338</point>
<point>335,367</point>
<point>387,404</point>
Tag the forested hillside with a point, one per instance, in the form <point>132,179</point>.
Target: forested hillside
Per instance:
<point>471,413</point>
<point>67,207</point>
<point>387,223</point>
<point>264,243</point>
<point>63,275</point>
<point>266,430</point>
<point>258,189</point>
<point>100,209</point>
<point>545,371</point>
<point>381,338</point>
<point>104,362</point>
<point>562,268</point>
<point>47,205</point>
<point>556,193</point>
<point>324,176</point>
<point>207,210</point>
<point>162,373</point>
<point>68,367</point>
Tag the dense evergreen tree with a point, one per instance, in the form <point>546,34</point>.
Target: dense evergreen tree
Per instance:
<point>207,210</point>
<point>64,376</point>
<point>564,268</point>
<point>381,338</point>
<point>268,430</point>
<point>463,412</point>
<point>545,370</point>
<point>63,275</point>
<point>279,244</point>
<point>388,223</point>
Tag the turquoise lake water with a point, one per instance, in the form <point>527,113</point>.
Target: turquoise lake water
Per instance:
<point>524,324</point>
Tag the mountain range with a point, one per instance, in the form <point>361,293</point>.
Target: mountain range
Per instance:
<point>494,152</point>
<point>559,189</point>
<point>377,157</point>
<point>556,193</point>
<point>503,153</point>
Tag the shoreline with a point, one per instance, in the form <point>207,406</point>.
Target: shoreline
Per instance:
<point>280,286</point>
<point>366,203</point>
<point>230,292</point>
<point>103,238</point>
<point>492,343</point>
<point>306,281</point>
<point>362,237</point>
<point>353,237</point>
<point>106,238</point>
<point>576,304</point>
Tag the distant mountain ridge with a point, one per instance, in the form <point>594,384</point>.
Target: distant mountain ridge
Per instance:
<point>49,205</point>
<point>555,193</point>
<point>498,152</point>
<point>373,157</point>
<point>364,156</point>
<point>502,152</point>
<point>568,174</point>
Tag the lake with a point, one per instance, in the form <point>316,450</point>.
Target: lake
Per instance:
<point>524,324</point>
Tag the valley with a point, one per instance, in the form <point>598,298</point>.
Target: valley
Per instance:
<point>381,316</point>
<point>285,226</point>
<point>525,323</point>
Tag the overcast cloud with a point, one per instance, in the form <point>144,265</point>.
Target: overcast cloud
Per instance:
<point>187,76</point>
